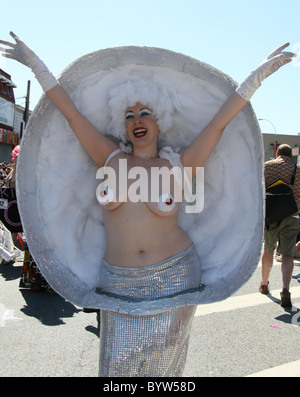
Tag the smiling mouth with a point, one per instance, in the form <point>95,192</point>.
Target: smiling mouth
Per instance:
<point>140,132</point>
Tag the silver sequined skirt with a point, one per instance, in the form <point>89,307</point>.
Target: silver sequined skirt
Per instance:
<point>151,345</point>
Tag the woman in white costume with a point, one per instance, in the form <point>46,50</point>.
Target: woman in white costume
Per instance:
<point>147,256</point>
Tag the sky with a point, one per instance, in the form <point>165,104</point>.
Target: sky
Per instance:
<point>232,36</point>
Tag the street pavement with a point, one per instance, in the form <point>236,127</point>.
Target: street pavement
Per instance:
<point>249,334</point>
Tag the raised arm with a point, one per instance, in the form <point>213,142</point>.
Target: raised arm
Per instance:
<point>97,145</point>
<point>199,151</point>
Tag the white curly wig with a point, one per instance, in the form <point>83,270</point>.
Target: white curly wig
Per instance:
<point>147,93</point>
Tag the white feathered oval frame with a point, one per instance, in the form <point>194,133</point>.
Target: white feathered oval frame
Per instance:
<point>57,182</point>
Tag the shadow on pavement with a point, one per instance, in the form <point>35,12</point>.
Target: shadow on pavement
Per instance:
<point>49,309</point>
<point>292,314</point>
<point>10,271</point>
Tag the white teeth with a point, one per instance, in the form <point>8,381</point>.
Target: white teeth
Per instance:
<point>141,131</point>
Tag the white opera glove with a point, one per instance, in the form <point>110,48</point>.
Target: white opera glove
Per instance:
<point>270,65</point>
<point>21,53</point>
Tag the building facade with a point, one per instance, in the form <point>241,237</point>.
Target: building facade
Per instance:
<point>11,118</point>
<point>271,141</point>
<point>7,113</point>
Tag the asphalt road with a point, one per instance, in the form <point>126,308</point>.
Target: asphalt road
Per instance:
<point>249,334</point>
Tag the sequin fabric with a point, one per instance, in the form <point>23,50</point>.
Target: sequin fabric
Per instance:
<point>152,345</point>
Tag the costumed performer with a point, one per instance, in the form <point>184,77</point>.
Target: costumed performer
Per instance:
<point>138,264</point>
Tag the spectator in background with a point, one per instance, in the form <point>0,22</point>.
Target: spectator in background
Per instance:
<point>285,232</point>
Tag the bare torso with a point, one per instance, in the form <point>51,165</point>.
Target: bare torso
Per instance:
<point>139,234</point>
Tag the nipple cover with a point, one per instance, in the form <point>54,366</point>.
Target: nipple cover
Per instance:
<point>165,203</point>
<point>104,196</point>
<point>104,192</point>
<point>169,201</point>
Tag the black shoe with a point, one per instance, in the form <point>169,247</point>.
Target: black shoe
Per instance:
<point>285,298</point>
<point>264,289</point>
